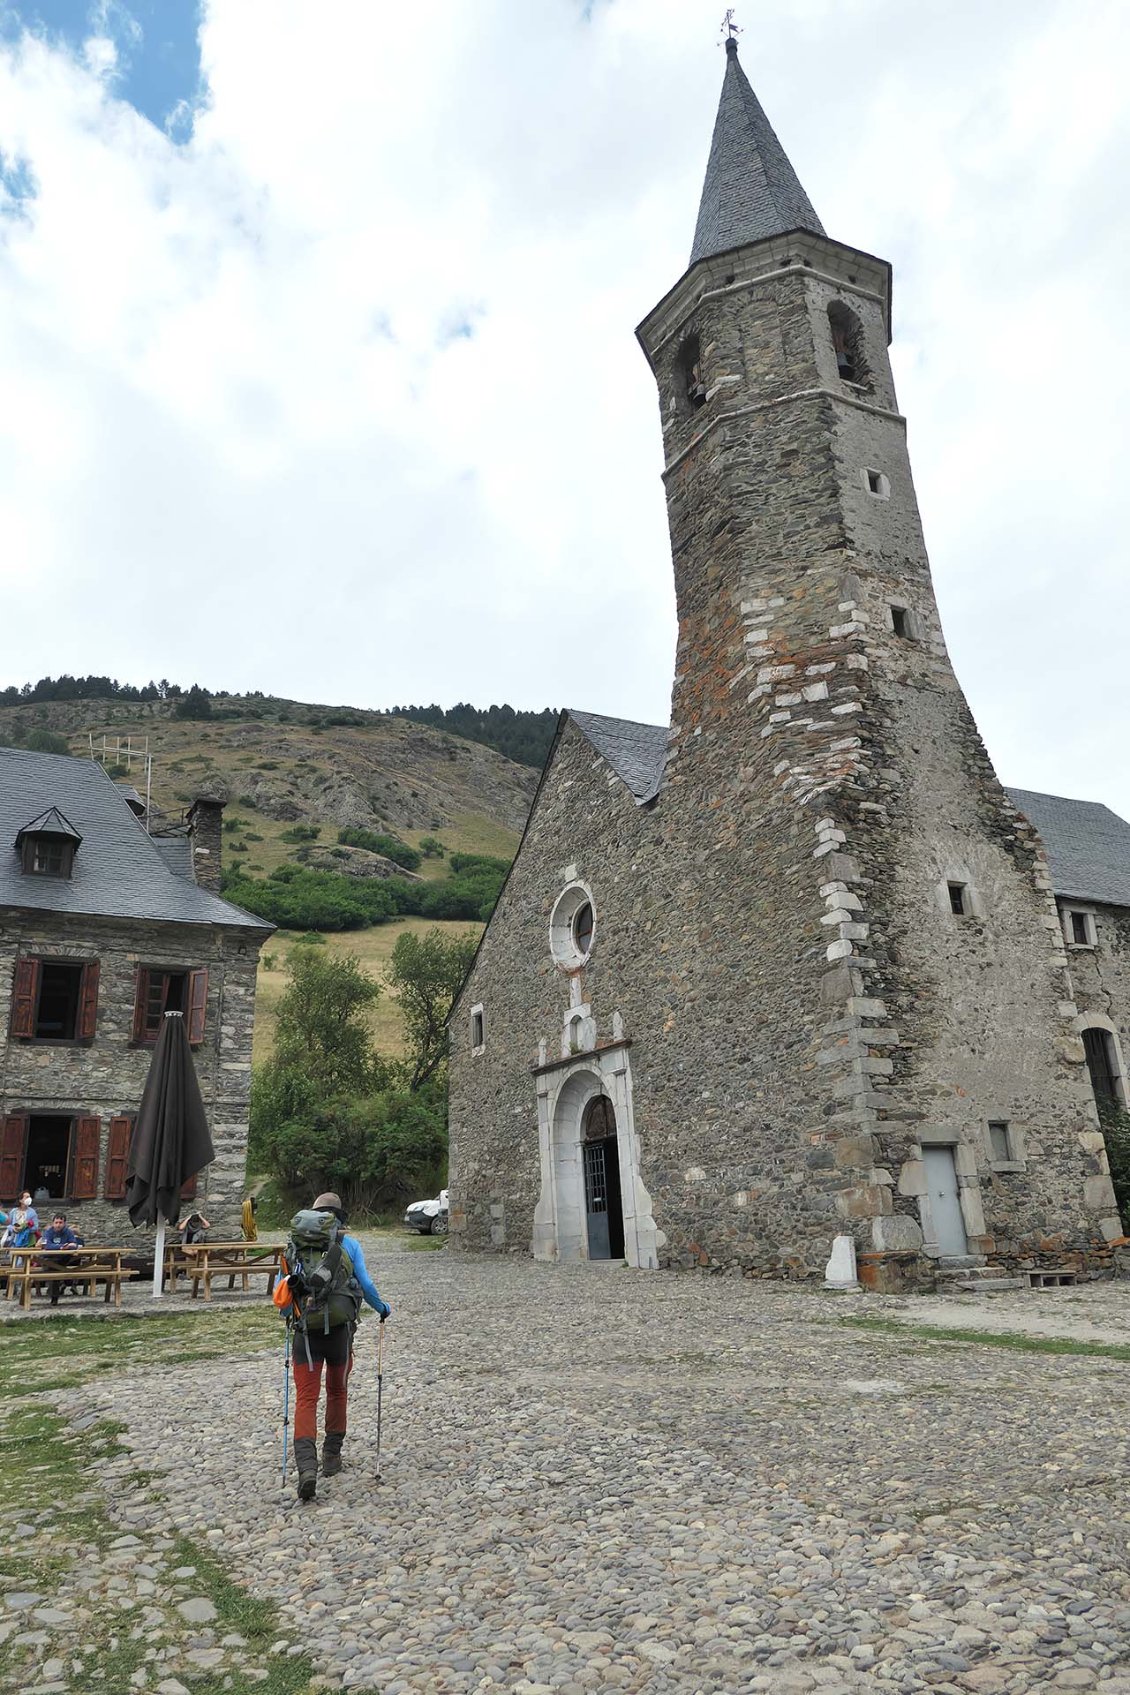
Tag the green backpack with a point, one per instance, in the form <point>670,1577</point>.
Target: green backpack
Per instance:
<point>325,1292</point>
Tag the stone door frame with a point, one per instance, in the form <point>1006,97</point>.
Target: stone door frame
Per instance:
<point>563,1092</point>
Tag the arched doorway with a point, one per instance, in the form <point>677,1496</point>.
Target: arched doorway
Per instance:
<point>604,1205</point>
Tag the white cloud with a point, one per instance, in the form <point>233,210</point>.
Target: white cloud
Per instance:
<point>241,443</point>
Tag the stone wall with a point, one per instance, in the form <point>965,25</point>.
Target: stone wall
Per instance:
<point>106,1077</point>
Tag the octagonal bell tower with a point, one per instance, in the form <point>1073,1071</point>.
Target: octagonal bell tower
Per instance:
<point>860,869</point>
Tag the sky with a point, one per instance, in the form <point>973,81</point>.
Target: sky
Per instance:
<point>317,360</point>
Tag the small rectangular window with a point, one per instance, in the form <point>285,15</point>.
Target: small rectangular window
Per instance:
<point>900,622</point>
<point>1081,932</point>
<point>1000,1142</point>
<point>478,1028</point>
<point>877,483</point>
<point>959,899</point>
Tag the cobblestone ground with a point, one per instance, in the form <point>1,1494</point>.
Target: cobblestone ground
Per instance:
<point>602,1480</point>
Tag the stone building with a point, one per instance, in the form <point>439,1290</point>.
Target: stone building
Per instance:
<point>103,928</point>
<point>792,966</point>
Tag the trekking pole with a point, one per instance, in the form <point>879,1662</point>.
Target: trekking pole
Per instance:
<point>380,1388</point>
<point>286,1403</point>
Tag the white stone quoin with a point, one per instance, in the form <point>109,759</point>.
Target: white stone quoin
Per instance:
<point>839,1273</point>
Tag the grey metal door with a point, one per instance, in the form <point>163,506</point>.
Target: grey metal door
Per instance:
<point>945,1207</point>
<point>596,1199</point>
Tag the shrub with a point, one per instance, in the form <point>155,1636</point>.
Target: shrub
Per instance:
<point>301,833</point>
<point>311,938</point>
<point>408,858</point>
<point>432,848</point>
<point>250,836</point>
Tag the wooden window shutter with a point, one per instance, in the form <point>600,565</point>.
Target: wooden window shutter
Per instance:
<point>88,1001</point>
<point>25,996</point>
<point>117,1157</point>
<point>140,1001</point>
<point>197,1006</point>
<point>188,1190</point>
<point>13,1146</point>
<point>84,1179</point>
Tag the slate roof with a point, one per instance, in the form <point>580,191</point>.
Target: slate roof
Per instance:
<point>636,752</point>
<point>176,851</point>
<point>1088,846</point>
<point>751,190</point>
<point>119,872</point>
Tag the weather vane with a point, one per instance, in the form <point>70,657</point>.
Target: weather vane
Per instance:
<point>729,27</point>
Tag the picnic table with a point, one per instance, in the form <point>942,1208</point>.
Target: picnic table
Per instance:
<point>28,1267</point>
<point>201,1261</point>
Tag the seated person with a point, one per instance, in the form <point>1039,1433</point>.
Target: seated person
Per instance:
<point>22,1228</point>
<point>191,1228</point>
<point>59,1235</point>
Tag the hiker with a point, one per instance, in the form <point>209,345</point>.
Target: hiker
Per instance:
<point>59,1235</point>
<point>321,1295</point>
<point>23,1224</point>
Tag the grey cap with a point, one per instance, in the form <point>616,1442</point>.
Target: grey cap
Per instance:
<point>329,1202</point>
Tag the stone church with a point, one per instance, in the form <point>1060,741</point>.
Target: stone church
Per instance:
<point>794,966</point>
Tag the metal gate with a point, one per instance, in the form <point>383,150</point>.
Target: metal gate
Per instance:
<point>596,1199</point>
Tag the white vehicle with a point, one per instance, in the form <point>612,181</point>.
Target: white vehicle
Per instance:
<point>428,1217</point>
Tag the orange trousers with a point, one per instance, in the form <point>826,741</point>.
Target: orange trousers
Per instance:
<point>308,1383</point>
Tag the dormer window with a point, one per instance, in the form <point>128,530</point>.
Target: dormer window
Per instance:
<point>47,846</point>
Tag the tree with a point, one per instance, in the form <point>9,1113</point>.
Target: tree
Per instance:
<point>197,703</point>
<point>321,1029</point>
<point>427,974</point>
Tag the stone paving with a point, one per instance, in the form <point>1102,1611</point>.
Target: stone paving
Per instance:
<point>602,1480</point>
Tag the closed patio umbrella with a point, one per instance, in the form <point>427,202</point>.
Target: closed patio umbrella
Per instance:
<point>171,1142</point>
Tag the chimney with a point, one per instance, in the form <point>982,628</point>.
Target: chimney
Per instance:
<point>205,825</point>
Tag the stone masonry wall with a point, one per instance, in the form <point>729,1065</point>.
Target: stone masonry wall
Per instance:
<point>700,985</point>
<point>107,1077</point>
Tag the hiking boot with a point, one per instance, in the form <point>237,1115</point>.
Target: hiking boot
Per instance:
<point>306,1459</point>
<point>331,1454</point>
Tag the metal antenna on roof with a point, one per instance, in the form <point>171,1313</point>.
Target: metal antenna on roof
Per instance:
<point>730,29</point>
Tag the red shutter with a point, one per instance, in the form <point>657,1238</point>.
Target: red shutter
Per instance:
<point>140,1000</point>
<point>84,1178</point>
<point>13,1145</point>
<point>25,996</point>
<point>117,1158</point>
<point>188,1191</point>
<point>88,1001</point>
<point>197,1006</point>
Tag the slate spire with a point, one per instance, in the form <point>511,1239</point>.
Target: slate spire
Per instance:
<point>751,190</point>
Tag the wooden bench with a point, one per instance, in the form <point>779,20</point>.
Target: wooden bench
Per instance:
<point>90,1266</point>
<point>206,1260</point>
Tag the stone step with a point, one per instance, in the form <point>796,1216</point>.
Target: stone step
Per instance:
<point>977,1273</point>
<point>987,1285</point>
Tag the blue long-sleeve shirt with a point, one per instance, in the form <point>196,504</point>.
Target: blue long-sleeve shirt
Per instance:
<point>360,1271</point>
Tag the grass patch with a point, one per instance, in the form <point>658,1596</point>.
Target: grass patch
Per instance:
<point>1014,1340</point>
